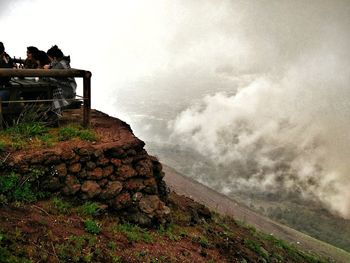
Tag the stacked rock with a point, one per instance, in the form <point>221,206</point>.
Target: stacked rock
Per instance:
<point>125,178</point>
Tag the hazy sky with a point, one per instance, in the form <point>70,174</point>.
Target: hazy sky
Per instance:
<point>271,77</point>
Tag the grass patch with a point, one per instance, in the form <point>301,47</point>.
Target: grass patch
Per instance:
<point>21,135</point>
<point>133,233</point>
<point>27,130</point>
<point>37,134</point>
<point>92,227</point>
<point>71,132</point>
<point>77,249</point>
<point>292,250</point>
<point>89,209</point>
<point>173,232</point>
<point>62,206</point>
<point>15,188</point>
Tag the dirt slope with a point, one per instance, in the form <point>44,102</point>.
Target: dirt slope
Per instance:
<point>222,204</point>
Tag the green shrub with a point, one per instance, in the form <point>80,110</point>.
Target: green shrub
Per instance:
<point>92,227</point>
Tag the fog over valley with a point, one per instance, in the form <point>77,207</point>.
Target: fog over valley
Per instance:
<point>260,88</point>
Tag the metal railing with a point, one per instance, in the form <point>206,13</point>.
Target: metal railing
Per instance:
<point>59,73</point>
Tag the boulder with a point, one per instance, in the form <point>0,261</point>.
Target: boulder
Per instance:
<point>149,204</point>
<point>90,165</point>
<point>125,171</point>
<point>135,184</point>
<point>95,174</point>
<point>91,189</point>
<point>144,168</point>
<point>116,162</point>
<point>102,161</point>
<point>112,190</point>
<point>72,185</point>
<point>61,170</point>
<point>108,170</point>
<point>123,200</point>
<point>74,168</point>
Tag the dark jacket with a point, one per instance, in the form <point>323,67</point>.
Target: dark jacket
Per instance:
<point>5,62</point>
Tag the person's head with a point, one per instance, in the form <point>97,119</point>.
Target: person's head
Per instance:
<point>2,48</point>
<point>41,58</point>
<point>54,53</point>
<point>31,51</point>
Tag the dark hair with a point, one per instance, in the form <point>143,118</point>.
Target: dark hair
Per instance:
<point>2,48</point>
<point>55,52</point>
<point>41,57</point>
<point>32,50</point>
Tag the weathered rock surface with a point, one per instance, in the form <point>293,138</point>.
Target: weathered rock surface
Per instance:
<point>115,171</point>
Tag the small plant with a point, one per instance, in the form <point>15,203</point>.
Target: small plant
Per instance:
<point>89,209</point>
<point>173,232</point>
<point>252,245</point>
<point>201,240</point>
<point>112,245</point>
<point>2,146</point>
<point>60,205</point>
<point>72,249</point>
<point>116,259</point>
<point>35,174</point>
<point>92,227</point>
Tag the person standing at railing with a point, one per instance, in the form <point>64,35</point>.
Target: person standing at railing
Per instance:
<point>30,62</point>
<point>66,86</point>
<point>41,59</point>
<point>5,62</point>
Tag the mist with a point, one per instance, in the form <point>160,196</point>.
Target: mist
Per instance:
<point>259,86</point>
<point>287,129</point>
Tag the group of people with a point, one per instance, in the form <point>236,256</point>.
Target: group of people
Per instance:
<point>38,59</point>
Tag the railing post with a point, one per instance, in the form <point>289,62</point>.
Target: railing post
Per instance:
<point>87,99</point>
<point>1,118</point>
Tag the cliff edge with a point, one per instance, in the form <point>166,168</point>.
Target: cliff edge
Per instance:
<point>114,170</point>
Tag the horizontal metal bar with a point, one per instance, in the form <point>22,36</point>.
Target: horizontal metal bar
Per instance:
<point>48,100</point>
<point>77,73</point>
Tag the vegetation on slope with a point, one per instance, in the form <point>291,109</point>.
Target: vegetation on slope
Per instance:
<point>67,230</point>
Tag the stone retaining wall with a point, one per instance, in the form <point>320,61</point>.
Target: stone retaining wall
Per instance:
<point>125,178</point>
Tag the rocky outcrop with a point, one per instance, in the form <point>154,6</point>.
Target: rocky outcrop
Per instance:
<point>118,173</point>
